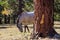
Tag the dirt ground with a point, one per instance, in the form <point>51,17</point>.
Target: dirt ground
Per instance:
<point>11,32</point>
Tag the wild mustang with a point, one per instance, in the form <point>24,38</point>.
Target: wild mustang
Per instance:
<point>25,18</point>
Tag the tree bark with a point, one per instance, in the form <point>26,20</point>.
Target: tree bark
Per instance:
<point>43,25</point>
<point>21,5</point>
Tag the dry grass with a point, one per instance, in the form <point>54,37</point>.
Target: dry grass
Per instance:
<point>11,32</point>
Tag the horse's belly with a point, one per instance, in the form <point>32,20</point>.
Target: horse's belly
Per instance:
<point>28,20</point>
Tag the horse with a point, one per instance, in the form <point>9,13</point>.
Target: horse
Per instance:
<point>25,18</point>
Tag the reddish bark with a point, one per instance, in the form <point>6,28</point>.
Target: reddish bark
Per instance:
<point>44,22</point>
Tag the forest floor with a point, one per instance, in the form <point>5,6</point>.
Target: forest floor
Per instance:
<point>11,32</point>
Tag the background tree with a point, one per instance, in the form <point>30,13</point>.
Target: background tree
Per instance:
<point>57,10</point>
<point>1,9</point>
<point>16,6</point>
<point>28,5</point>
<point>5,4</point>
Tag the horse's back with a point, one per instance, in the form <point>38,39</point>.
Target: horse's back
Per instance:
<point>27,18</point>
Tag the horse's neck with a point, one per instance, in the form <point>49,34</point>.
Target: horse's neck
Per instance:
<point>19,16</point>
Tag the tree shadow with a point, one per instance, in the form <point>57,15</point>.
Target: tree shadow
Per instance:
<point>56,36</point>
<point>3,27</point>
<point>57,27</point>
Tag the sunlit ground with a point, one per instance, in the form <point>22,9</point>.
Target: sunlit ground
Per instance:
<point>11,32</point>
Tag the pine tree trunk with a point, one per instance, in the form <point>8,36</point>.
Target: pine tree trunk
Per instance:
<point>20,7</point>
<point>43,25</point>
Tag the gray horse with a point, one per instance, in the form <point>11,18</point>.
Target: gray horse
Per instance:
<point>25,19</point>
